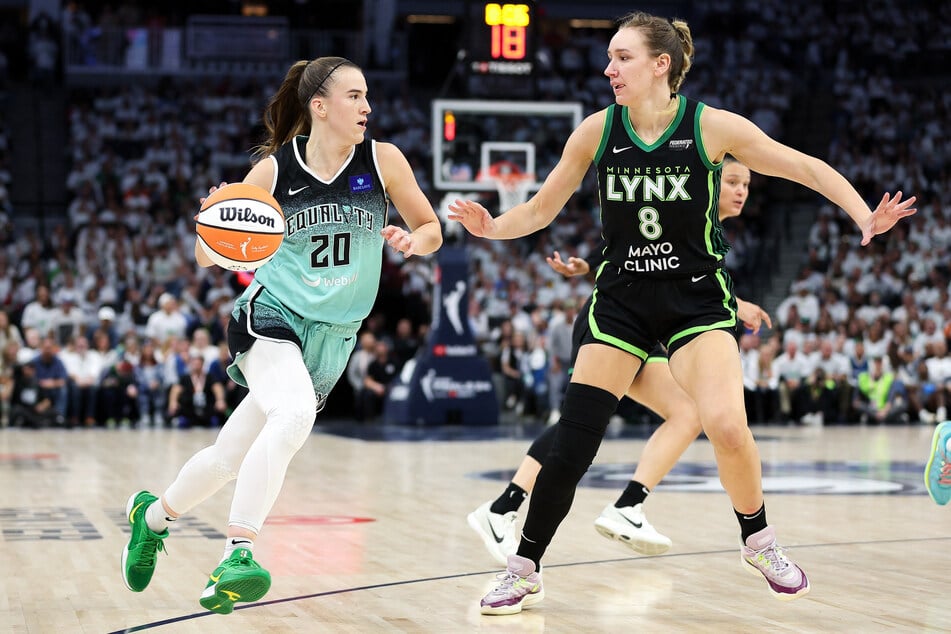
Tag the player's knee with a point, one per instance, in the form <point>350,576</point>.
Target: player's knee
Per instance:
<point>293,421</point>
<point>726,429</point>
<point>563,472</point>
<point>585,415</point>
<point>685,416</point>
<point>225,470</point>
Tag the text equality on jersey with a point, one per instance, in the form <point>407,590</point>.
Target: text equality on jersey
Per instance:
<point>329,213</point>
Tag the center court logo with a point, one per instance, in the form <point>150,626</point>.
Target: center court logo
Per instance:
<point>791,478</point>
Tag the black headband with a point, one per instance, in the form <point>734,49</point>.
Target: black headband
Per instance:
<point>326,77</point>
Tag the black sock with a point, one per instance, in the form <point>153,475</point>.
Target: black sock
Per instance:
<point>750,524</point>
<point>634,494</point>
<point>510,500</point>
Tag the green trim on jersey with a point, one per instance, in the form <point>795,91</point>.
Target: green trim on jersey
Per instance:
<point>720,325</point>
<point>712,227</point>
<point>608,339</point>
<point>681,107</point>
<point>605,133</point>
<point>656,360</point>
<point>698,134</point>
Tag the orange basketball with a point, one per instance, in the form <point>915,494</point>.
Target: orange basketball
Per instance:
<point>240,226</point>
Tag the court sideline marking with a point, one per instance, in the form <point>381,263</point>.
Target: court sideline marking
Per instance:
<point>390,584</point>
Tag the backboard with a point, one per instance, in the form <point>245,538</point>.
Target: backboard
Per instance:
<point>468,135</point>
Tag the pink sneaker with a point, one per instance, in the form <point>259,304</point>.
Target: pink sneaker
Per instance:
<point>761,555</point>
<point>519,586</point>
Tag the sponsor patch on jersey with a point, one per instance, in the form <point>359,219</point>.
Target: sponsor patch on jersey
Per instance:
<point>361,183</point>
<point>680,144</point>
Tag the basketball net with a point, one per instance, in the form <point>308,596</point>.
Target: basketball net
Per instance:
<point>511,183</point>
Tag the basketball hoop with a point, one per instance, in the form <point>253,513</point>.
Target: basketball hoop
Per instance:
<point>511,183</point>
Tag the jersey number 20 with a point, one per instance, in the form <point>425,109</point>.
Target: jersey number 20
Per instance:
<point>332,250</point>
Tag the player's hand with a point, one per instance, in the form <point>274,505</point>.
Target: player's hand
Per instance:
<point>889,211</point>
<point>474,217</point>
<point>400,239</point>
<point>752,315</point>
<point>574,266</point>
<point>211,190</point>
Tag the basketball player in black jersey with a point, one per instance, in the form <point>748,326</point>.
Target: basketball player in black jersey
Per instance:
<point>657,156</point>
<point>625,520</point>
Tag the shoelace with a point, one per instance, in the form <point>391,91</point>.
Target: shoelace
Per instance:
<point>506,580</point>
<point>945,477</point>
<point>775,556</point>
<point>149,548</point>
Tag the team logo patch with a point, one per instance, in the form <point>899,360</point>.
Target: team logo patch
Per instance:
<point>680,144</point>
<point>361,183</point>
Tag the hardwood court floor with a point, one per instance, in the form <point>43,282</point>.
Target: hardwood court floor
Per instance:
<point>370,535</point>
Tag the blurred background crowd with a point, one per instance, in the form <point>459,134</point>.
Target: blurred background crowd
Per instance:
<point>105,320</point>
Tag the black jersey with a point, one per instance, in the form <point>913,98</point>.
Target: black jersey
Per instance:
<point>659,202</point>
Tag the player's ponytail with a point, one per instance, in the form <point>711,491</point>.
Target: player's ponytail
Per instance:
<point>284,116</point>
<point>679,71</point>
<point>287,114</point>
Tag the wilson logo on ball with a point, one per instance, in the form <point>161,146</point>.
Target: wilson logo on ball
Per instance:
<point>240,227</point>
<point>236,214</point>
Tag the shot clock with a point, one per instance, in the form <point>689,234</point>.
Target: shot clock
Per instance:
<point>502,41</point>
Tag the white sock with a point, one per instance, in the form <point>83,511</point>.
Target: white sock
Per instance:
<point>156,518</point>
<point>234,543</point>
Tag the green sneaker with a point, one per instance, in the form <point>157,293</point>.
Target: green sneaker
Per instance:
<point>237,578</point>
<point>138,557</point>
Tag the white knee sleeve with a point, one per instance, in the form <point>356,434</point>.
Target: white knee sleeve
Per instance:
<point>281,386</point>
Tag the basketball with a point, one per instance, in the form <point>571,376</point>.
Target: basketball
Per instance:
<point>240,226</point>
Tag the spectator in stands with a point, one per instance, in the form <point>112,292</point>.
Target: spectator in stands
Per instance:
<point>791,368</point>
<point>927,396</point>
<point>817,398</point>
<point>405,342</point>
<point>535,370</point>
<point>219,372</point>
<point>152,393</point>
<point>837,370</point>
<point>510,364</point>
<point>559,356</point>
<point>381,371</point>
<point>202,346</point>
<point>761,382</point>
<point>84,367</point>
<point>168,322</point>
<point>52,378</point>
<point>8,331</point>
<point>807,306</point>
<point>879,397</point>
<point>69,320</point>
<point>357,368</point>
<point>119,391</point>
<point>106,324</point>
<point>9,369</point>
<point>31,345</point>
<point>28,406</point>
<point>40,313</point>
<point>175,364</point>
<point>198,399</point>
